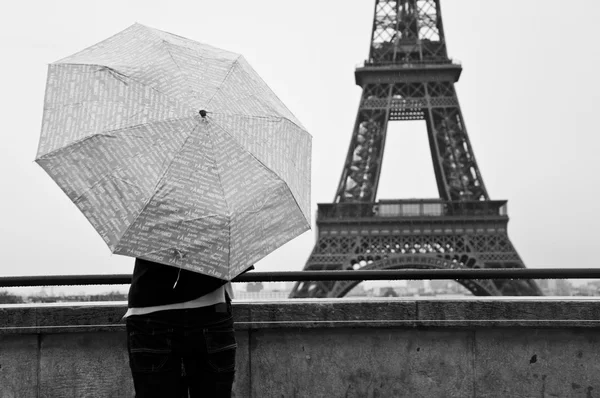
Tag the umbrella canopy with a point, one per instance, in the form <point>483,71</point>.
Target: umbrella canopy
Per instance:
<point>176,152</point>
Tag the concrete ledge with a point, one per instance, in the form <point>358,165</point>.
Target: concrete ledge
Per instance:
<point>320,313</point>
<point>474,347</point>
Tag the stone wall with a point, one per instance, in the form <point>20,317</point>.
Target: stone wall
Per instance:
<point>476,347</point>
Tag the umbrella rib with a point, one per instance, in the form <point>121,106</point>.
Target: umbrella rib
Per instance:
<point>52,152</point>
<point>157,33</point>
<point>107,134</point>
<point>275,95</point>
<point>266,202</point>
<point>113,174</point>
<point>298,204</point>
<point>104,178</point>
<point>265,117</point>
<point>252,74</point>
<point>74,104</point>
<point>245,149</point>
<point>262,164</point>
<point>167,43</point>
<point>224,80</point>
<point>225,199</point>
<point>161,178</point>
<point>127,76</point>
<point>176,64</point>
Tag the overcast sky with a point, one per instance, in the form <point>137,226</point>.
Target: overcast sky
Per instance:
<point>529,93</point>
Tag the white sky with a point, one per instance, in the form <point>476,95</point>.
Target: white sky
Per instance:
<point>529,93</point>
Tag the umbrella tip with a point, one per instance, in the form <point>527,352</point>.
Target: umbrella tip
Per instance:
<point>202,113</point>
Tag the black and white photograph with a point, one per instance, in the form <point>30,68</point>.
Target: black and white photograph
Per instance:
<point>259,198</point>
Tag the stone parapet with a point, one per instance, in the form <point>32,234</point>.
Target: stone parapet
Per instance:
<point>472,347</point>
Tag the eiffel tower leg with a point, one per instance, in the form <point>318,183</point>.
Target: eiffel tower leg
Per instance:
<point>363,162</point>
<point>496,251</point>
<point>329,254</point>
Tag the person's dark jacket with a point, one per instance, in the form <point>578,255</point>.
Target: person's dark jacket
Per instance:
<point>152,284</point>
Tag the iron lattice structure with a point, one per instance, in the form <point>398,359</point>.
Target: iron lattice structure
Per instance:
<point>408,76</point>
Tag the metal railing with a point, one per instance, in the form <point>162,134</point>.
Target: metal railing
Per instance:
<point>302,276</point>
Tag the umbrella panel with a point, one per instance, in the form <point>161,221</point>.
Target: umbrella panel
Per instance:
<point>84,100</point>
<point>279,144</point>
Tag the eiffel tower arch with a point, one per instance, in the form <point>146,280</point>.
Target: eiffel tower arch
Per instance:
<point>409,76</point>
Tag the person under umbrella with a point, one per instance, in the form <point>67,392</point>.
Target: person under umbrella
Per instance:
<point>181,156</point>
<point>180,333</point>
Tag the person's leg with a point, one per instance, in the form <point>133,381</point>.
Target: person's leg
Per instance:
<point>155,369</point>
<point>210,363</point>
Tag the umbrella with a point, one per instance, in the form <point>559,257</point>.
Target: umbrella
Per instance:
<point>176,152</point>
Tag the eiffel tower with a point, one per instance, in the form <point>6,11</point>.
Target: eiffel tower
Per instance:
<point>408,76</point>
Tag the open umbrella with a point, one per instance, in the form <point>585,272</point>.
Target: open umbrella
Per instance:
<point>176,152</point>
